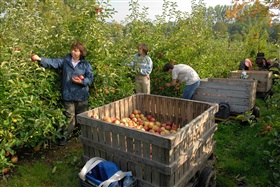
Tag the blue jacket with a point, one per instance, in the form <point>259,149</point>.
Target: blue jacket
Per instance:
<point>70,90</point>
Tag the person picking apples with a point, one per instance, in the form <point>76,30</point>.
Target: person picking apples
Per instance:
<point>183,73</point>
<point>143,66</point>
<point>77,75</point>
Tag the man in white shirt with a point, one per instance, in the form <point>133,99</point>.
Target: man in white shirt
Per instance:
<point>183,73</point>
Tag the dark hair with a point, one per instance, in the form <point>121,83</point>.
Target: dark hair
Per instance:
<point>81,47</point>
<point>167,66</point>
<point>144,47</point>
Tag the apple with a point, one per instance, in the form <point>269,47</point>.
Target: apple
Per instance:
<point>107,119</point>
<point>146,123</point>
<point>168,127</point>
<point>33,58</point>
<point>169,123</point>
<point>117,122</point>
<point>151,131</point>
<point>159,130</point>
<point>267,128</point>
<point>7,153</point>
<point>158,123</point>
<point>146,128</point>
<point>14,159</point>
<point>5,170</point>
<point>162,133</point>
<point>172,131</point>
<point>36,148</point>
<point>151,125</point>
<point>163,125</point>
<point>136,111</point>
<point>113,119</point>
<point>174,127</point>
<point>141,122</point>
<point>132,115</point>
<point>81,77</point>
<point>155,128</point>
<point>95,116</point>
<point>167,132</point>
<point>152,119</point>
<point>149,117</point>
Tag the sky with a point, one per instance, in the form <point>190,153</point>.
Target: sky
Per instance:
<point>122,6</point>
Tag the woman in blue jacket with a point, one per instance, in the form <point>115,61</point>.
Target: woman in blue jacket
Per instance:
<point>77,75</point>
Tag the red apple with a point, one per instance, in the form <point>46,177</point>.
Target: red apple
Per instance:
<point>151,131</point>
<point>174,127</point>
<point>132,115</point>
<point>33,58</point>
<point>113,119</point>
<point>146,128</point>
<point>149,117</point>
<point>169,123</point>
<point>159,130</point>
<point>152,119</point>
<point>81,77</point>
<point>267,128</point>
<point>168,127</point>
<point>163,125</point>
<point>95,116</point>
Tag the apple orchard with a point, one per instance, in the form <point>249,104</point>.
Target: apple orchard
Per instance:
<point>31,113</point>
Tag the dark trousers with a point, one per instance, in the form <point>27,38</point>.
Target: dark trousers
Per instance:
<point>72,108</point>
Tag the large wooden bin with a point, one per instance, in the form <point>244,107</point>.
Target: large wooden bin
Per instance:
<point>172,160</point>
<point>239,93</point>
<point>264,79</point>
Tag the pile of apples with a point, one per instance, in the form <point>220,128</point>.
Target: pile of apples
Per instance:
<point>139,121</point>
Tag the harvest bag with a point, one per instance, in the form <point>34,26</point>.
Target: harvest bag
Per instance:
<point>101,173</point>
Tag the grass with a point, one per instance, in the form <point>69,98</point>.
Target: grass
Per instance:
<point>240,157</point>
<point>56,167</point>
<point>239,153</point>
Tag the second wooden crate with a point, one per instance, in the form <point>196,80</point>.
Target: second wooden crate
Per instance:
<point>239,93</point>
<point>264,79</point>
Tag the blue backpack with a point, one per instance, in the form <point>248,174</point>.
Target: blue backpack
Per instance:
<point>102,173</point>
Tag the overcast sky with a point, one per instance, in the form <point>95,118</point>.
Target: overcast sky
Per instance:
<point>122,6</point>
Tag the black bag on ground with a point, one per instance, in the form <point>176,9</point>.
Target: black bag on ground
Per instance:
<point>224,110</point>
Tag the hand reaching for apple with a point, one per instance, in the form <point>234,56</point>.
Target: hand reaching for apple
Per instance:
<point>35,58</point>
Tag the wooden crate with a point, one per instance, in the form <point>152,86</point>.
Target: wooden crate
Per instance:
<point>239,93</point>
<point>155,160</point>
<point>264,79</point>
